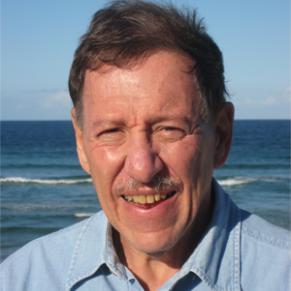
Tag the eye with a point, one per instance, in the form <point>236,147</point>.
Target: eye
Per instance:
<point>171,133</point>
<point>109,131</point>
<point>110,134</point>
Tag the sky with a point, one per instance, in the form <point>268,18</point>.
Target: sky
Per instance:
<point>38,40</point>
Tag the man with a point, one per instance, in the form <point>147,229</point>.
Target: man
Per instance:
<point>152,123</point>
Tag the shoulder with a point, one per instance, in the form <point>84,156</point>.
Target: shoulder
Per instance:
<point>59,242</point>
<point>265,254</point>
<point>256,230</point>
<point>47,258</point>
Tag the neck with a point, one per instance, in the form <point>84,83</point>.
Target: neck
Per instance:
<point>151,270</point>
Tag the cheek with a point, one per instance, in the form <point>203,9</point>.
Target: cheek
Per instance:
<point>105,164</point>
<point>182,157</point>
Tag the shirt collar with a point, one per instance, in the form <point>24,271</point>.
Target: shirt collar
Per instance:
<point>94,251</point>
<point>215,260</point>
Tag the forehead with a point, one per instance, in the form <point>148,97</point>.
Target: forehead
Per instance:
<point>161,81</point>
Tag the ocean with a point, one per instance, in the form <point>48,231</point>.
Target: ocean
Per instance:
<point>44,189</point>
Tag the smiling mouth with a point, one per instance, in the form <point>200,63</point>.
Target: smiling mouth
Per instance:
<point>147,200</point>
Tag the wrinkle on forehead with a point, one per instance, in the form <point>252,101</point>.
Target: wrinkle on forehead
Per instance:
<point>117,83</point>
<point>182,62</point>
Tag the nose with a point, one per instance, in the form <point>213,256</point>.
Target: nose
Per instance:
<point>142,162</point>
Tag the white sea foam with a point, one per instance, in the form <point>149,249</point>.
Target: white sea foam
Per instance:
<point>21,180</point>
<point>236,181</point>
<point>83,214</point>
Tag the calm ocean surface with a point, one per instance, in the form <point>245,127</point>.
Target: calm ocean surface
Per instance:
<point>43,187</point>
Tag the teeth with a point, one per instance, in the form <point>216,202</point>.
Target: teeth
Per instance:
<point>129,198</point>
<point>150,198</point>
<point>145,199</point>
<point>140,199</point>
<point>157,197</point>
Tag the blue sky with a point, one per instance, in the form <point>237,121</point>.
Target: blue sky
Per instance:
<point>38,39</point>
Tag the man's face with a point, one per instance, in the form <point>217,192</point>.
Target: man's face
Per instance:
<point>147,149</point>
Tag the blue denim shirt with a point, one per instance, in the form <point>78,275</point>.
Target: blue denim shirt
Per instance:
<point>239,251</point>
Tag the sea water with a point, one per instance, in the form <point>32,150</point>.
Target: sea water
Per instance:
<point>44,189</point>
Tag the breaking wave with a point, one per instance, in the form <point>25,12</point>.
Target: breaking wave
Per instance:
<point>63,181</point>
<point>237,181</point>
<point>83,214</point>
<point>227,182</point>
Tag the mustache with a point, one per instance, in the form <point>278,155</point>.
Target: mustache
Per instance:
<point>158,184</point>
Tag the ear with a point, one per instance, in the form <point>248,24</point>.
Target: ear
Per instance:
<point>79,142</point>
<point>223,134</point>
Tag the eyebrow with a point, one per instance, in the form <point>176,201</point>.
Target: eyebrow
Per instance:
<point>104,122</point>
<point>108,122</point>
<point>162,118</point>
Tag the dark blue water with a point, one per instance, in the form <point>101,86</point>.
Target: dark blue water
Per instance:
<point>43,187</point>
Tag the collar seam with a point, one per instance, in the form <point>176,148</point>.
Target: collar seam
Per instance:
<point>112,262</point>
<point>73,280</point>
<point>257,235</point>
<point>236,253</point>
<point>204,277</point>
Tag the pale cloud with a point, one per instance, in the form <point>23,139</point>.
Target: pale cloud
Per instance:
<point>36,105</point>
<point>262,103</point>
<point>58,98</point>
